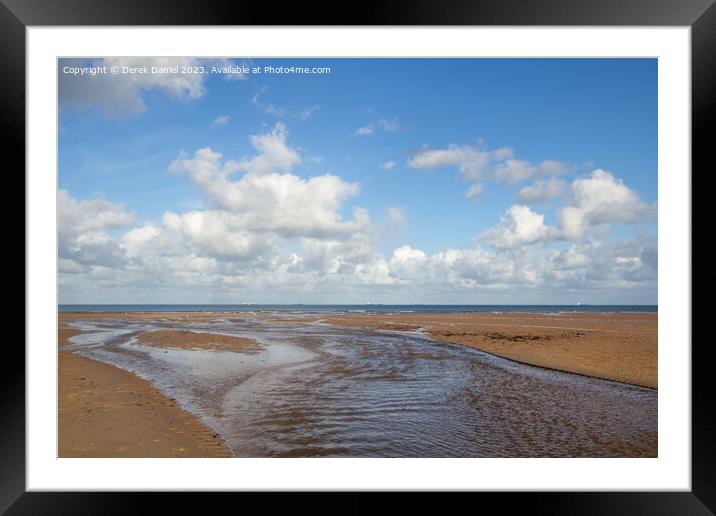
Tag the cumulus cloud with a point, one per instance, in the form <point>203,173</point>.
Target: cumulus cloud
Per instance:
<point>206,168</point>
<point>388,165</point>
<point>519,226</point>
<point>407,262</point>
<point>199,250</point>
<point>600,265</point>
<point>337,258</point>
<point>122,94</point>
<point>218,234</point>
<point>82,232</point>
<point>270,198</point>
<point>600,199</point>
<point>239,240</point>
<point>574,257</point>
<point>269,234</point>
<point>273,153</point>
<point>76,217</point>
<point>542,191</point>
<point>478,164</point>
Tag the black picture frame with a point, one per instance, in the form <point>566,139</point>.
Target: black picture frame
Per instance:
<point>700,15</point>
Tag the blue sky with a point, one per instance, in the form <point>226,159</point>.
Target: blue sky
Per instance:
<point>478,180</point>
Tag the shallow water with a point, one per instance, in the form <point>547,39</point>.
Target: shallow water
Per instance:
<point>316,390</point>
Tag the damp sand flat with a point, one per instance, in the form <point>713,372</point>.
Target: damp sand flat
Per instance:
<point>613,346</point>
<point>326,390</point>
<point>105,411</point>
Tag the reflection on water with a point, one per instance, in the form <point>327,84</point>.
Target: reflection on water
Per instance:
<point>318,390</point>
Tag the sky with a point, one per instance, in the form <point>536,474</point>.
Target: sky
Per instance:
<point>433,181</point>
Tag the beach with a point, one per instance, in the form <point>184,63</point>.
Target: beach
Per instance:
<point>182,339</point>
<point>106,410</point>
<point>613,346</point>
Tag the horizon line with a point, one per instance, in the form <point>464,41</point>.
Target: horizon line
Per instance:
<point>359,304</point>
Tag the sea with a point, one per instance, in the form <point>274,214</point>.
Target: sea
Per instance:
<point>365,308</point>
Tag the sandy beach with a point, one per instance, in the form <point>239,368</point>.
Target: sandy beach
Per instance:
<point>105,411</point>
<point>613,346</point>
<point>178,339</point>
<point>167,316</point>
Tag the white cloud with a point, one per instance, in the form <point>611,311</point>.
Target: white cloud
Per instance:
<point>407,263</point>
<point>477,164</point>
<point>391,226</point>
<point>542,191</point>
<point>274,154</point>
<point>280,111</point>
<point>389,125</point>
<point>77,217</point>
<point>519,226</point>
<point>267,107</point>
<point>597,200</point>
<point>82,237</point>
<point>600,199</point>
<point>264,199</point>
<point>220,121</point>
<point>395,215</point>
<point>388,165</point>
<point>364,131</point>
<point>192,252</point>
<point>135,240</point>
<point>336,257</point>
<point>121,94</point>
<point>269,235</point>
<point>593,264</point>
<point>307,112</point>
<point>218,234</point>
<point>474,191</point>
<point>516,170</point>
<point>574,257</point>
<point>69,266</point>
<point>206,168</point>
<point>406,253</point>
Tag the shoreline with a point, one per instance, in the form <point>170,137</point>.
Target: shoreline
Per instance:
<point>603,345</point>
<point>224,313</point>
<point>106,411</point>
<point>655,389</point>
<point>615,346</point>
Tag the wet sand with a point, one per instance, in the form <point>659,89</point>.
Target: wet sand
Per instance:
<point>331,385</point>
<point>169,316</point>
<point>105,411</point>
<point>613,346</point>
<point>178,339</point>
